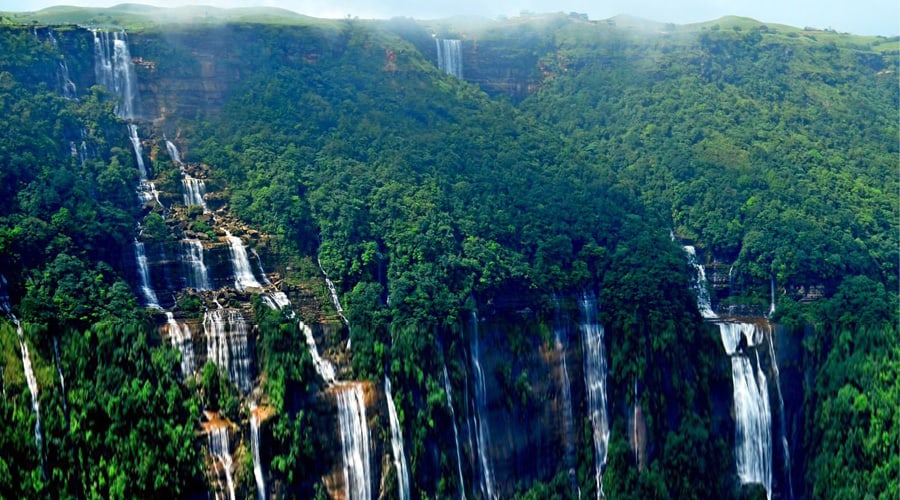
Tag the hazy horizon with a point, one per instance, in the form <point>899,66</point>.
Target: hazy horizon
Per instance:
<point>865,17</point>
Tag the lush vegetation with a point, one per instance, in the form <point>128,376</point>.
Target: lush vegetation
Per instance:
<point>426,198</point>
<point>123,428</point>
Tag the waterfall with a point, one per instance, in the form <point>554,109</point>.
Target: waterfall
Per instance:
<point>334,297</point>
<point>752,414</point>
<point>114,70</point>
<point>772,291</point>
<point>226,345</point>
<point>257,463</point>
<point>195,270</point>
<point>354,442</point>
<point>595,382</point>
<point>560,344</point>
<point>173,153</point>
<point>447,391</point>
<point>181,338</point>
<point>66,85</point>
<point>243,274</point>
<point>32,387</point>
<point>138,149</point>
<point>220,451</point>
<point>323,367</point>
<point>194,191</point>
<point>483,432</point>
<point>786,452</point>
<point>450,57</point>
<point>278,300</point>
<point>146,190</point>
<point>144,272</point>
<point>397,444</point>
<point>62,380</point>
<point>703,302</point>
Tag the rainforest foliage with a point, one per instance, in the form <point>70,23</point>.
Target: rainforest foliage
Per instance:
<point>425,197</point>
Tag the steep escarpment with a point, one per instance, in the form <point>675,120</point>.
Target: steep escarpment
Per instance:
<point>299,256</point>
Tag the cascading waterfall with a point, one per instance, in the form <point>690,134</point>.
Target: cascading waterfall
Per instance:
<point>32,385</point>
<point>193,190</point>
<point>226,345</point>
<point>62,380</point>
<point>255,446</point>
<point>752,414</point>
<point>114,70</point>
<point>354,442</point>
<point>595,382</point>
<point>220,451</point>
<point>334,297</point>
<point>450,57</point>
<point>752,411</point>
<point>278,300</point>
<point>243,274</point>
<point>323,367</point>
<point>181,338</point>
<point>703,302</point>
<point>397,444</point>
<point>144,273</point>
<point>195,269</point>
<point>146,190</point>
<point>483,432</point>
<point>66,85</point>
<point>448,392</point>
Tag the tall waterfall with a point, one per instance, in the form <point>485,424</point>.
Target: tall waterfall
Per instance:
<point>114,70</point>
<point>397,444</point>
<point>32,387</point>
<point>354,442</point>
<point>703,302</point>
<point>560,342</point>
<point>255,446</point>
<point>595,382</point>
<point>243,274</point>
<point>752,414</point>
<point>192,260</point>
<point>181,338</point>
<point>483,431</point>
<point>448,391</point>
<point>752,411</point>
<point>144,273</point>
<point>450,57</point>
<point>785,450</point>
<point>220,451</point>
<point>226,345</point>
<point>62,380</point>
<point>66,85</point>
<point>29,372</point>
<point>323,367</point>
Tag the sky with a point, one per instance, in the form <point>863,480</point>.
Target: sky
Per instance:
<point>862,17</point>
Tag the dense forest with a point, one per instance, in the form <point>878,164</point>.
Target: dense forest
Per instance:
<point>481,261</point>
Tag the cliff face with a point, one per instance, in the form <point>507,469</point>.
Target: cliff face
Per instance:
<point>188,74</point>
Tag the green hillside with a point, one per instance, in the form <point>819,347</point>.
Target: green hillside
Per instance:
<point>573,159</point>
